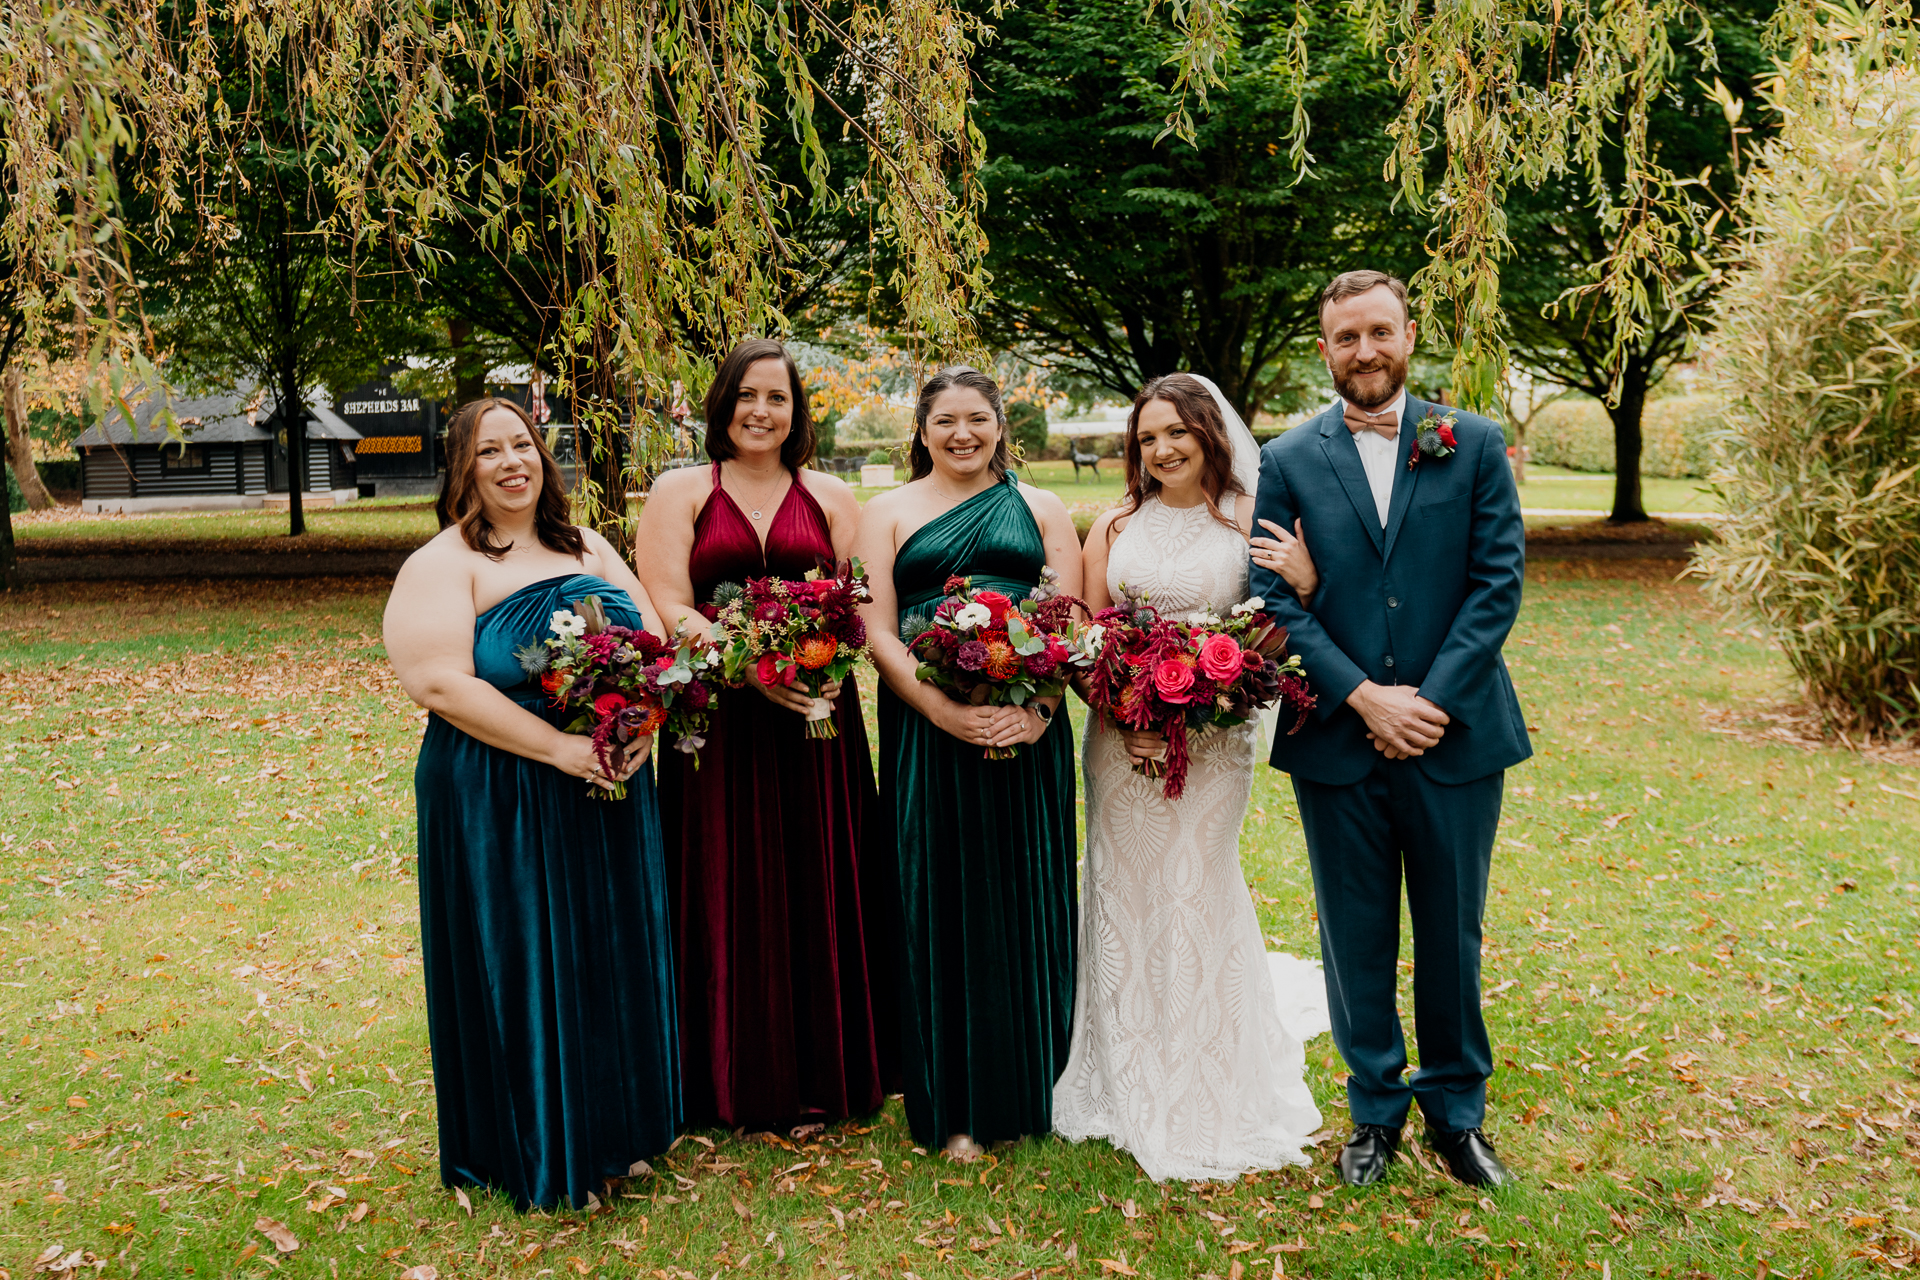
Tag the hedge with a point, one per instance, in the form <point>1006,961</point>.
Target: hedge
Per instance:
<point>1674,435</point>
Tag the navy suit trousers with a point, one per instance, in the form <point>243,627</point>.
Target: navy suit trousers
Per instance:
<point>1362,839</point>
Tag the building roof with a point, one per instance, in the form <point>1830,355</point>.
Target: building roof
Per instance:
<point>207,419</point>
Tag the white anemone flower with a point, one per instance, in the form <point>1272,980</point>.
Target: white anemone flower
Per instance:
<point>973,615</point>
<point>566,622</point>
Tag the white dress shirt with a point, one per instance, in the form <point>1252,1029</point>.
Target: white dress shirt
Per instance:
<point>1378,455</point>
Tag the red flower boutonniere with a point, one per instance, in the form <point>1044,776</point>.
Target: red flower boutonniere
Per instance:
<point>1433,437</point>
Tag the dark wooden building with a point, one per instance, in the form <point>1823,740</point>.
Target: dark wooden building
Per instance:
<point>233,456</point>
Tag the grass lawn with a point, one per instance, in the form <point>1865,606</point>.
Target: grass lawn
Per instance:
<point>366,518</point>
<point>1557,487</point>
<point>1699,977</point>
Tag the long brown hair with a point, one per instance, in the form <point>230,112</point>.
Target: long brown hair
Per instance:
<point>796,451</point>
<point>958,375</point>
<point>1201,416</point>
<point>460,496</point>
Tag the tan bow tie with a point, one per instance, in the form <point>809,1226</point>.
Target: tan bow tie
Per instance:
<point>1387,425</point>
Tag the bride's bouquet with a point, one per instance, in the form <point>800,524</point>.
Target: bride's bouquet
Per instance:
<point>1174,677</point>
<point>806,635</point>
<point>983,648</point>
<point>623,685</point>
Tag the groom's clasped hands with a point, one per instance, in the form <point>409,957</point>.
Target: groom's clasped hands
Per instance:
<point>1400,723</point>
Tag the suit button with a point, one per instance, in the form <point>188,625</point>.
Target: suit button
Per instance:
<point>1393,602</point>
<point>1389,659</point>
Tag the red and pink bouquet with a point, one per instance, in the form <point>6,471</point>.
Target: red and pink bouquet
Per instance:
<point>806,635</point>
<point>1174,677</point>
<point>624,684</point>
<point>983,648</point>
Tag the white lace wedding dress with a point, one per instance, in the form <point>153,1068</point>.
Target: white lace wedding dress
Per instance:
<point>1188,1034</point>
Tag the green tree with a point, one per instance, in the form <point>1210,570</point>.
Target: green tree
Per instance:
<point>1131,254</point>
<point>266,295</point>
<point>1574,340</point>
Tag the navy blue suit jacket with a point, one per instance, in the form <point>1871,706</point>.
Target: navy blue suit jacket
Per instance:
<point>1426,601</point>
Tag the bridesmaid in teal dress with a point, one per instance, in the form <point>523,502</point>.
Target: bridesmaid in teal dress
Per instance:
<point>543,922</point>
<point>985,848</point>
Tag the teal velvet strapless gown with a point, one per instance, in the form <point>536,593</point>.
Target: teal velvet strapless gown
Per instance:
<point>543,926</point>
<point>986,857</point>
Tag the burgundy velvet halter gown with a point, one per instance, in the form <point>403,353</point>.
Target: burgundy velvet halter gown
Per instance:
<point>781,926</point>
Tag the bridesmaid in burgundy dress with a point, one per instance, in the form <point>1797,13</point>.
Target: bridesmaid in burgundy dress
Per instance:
<point>780,924</point>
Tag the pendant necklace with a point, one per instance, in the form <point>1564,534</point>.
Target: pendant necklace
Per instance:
<point>758,507</point>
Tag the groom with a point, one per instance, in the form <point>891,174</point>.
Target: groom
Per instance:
<point>1410,514</point>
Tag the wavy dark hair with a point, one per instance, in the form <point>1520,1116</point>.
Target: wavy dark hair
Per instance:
<point>796,451</point>
<point>958,375</point>
<point>460,501</point>
<point>1194,403</point>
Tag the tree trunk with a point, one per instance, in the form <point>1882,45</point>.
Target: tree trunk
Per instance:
<point>604,452</point>
<point>293,420</point>
<point>1519,453</point>
<point>469,368</point>
<point>13,393</point>
<point>1628,507</point>
<point>9,557</point>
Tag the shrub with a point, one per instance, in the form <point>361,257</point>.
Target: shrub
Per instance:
<point>826,440</point>
<point>880,458</point>
<point>1818,357</point>
<point>886,422</point>
<point>1676,435</point>
<point>1027,428</point>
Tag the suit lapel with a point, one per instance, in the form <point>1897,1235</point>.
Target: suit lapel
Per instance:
<point>1404,477</point>
<point>1342,455</point>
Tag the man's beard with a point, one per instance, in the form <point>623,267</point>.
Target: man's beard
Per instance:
<point>1393,368</point>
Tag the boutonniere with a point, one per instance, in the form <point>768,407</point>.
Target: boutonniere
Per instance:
<point>1433,437</point>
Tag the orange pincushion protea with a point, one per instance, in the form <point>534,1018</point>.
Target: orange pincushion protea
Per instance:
<point>816,652</point>
<point>1002,662</point>
<point>655,718</point>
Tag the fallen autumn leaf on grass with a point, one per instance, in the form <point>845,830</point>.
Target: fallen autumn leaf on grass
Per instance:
<point>283,1239</point>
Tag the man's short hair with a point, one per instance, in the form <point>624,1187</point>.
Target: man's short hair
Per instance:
<point>1351,284</point>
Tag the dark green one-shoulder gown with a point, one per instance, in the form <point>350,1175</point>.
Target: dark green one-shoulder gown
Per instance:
<point>986,858</point>
<point>543,927</point>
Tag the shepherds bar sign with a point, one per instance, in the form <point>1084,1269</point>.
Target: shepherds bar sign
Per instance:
<point>355,408</point>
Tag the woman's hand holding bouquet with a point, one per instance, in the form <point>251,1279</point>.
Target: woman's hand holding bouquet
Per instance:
<point>802,638</point>
<point>1156,675</point>
<point>624,686</point>
<point>983,649</point>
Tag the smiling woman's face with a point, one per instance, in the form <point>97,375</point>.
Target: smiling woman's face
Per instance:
<point>763,410</point>
<point>506,465</point>
<point>1169,450</point>
<point>961,433</point>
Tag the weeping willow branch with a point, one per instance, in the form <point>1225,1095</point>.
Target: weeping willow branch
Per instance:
<point>626,143</point>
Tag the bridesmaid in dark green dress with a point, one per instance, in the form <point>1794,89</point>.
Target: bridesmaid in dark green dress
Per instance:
<point>543,922</point>
<point>985,847</point>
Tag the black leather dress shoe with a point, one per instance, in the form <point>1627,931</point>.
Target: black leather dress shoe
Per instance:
<point>1470,1156</point>
<point>1368,1152</point>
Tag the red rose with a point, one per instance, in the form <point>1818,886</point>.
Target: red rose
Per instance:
<point>1446,434</point>
<point>608,704</point>
<point>994,603</point>
<point>1220,658</point>
<point>772,673</point>
<point>1172,680</point>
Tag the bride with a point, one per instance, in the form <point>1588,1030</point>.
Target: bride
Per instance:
<point>1188,1035</point>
